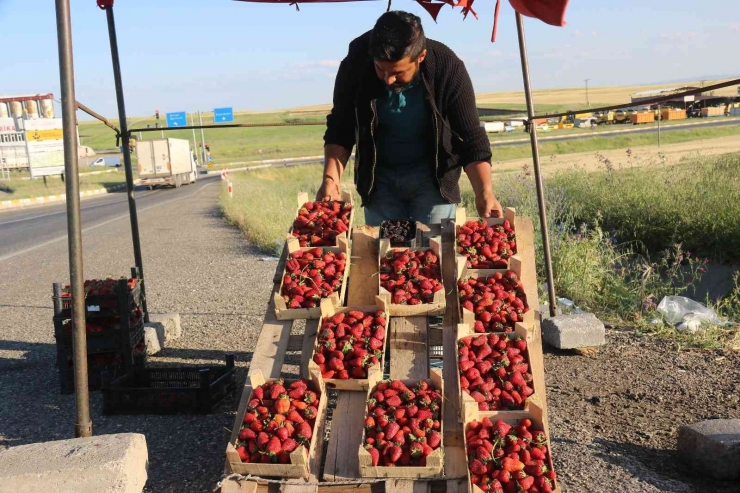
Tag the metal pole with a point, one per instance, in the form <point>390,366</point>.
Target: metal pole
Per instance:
<point>660,117</point>
<point>202,139</point>
<point>536,162</point>
<point>587,103</point>
<point>195,141</point>
<point>83,425</point>
<point>125,137</point>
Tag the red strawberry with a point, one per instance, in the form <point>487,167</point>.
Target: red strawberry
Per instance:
<point>395,453</point>
<point>374,454</point>
<point>304,431</point>
<point>295,417</point>
<point>289,445</point>
<point>435,438</point>
<point>477,467</point>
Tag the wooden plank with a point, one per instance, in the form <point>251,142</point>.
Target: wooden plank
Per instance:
<point>329,488</point>
<point>363,281</point>
<point>455,461</point>
<point>342,461</point>
<point>295,341</point>
<point>307,344</point>
<point>525,251</point>
<point>407,486</point>
<point>234,486</point>
<point>409,351</point>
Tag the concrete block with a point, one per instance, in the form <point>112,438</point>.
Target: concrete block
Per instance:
<point>573,331</point>
<point>101,464</point>
<point>153,338</point>
<point>171,322</point>
<point>712,448</point>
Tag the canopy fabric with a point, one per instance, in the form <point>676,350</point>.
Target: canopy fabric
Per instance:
<point>548,11</point>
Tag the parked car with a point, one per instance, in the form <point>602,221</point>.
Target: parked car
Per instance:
<point>113,162</point>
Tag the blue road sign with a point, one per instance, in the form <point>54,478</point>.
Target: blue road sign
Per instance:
<point>178,119</point>
<point>223,115</point>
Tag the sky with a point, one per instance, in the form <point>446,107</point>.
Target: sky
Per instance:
<point>190,55</point>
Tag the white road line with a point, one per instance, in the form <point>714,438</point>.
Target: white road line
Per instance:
<point>90,228</point>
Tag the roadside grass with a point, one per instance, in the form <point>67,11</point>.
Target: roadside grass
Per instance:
<point>259,143</point>
<point>593,144</point>
<point>695,202</point>
<point>23,189</point>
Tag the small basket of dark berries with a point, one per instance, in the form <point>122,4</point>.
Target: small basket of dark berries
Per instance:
<point>400,232</point>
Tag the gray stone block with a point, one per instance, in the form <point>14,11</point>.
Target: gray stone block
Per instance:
<point>100,464</point>
<point>153,338</point>
<point>573,331</point>
<point>171,322</point>
<point>712,447</point>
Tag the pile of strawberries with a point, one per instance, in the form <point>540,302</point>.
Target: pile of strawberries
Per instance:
<point>509,459</point>
<point>486,247</point>
<point>494,371</point>
<point>319,223</point>
<point>412,278</point>
<point>100,287</point>
<point>498,301</point>
<point>348,344</point>
<point>402,426</point>
<point>310,276</point>
<point>280,418</point>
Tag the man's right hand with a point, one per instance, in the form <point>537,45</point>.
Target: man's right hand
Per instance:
<point>329,190</point>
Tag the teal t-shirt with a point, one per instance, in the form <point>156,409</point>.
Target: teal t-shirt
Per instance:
<point>404,129</point>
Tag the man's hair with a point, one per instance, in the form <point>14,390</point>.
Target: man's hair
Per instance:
<point>397,35</point>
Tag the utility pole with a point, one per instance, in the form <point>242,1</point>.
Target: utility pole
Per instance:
<point>202,138</point>
<point>588,105</point>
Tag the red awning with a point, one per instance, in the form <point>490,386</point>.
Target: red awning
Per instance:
<point>548,11</point>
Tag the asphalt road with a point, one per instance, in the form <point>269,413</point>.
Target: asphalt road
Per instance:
<point>28,229</point>
<point>624,129</point>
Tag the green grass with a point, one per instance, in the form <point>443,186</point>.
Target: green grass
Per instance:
<point>254,144</point>
<point>505,153</point>
<point>22,189</point>
<point>695,203</point>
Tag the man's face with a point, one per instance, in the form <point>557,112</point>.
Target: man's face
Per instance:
<point>398,75</point>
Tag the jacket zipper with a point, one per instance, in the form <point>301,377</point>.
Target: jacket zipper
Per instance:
<point>375,151</point>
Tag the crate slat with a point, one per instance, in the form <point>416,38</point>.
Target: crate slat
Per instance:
<point>409,350</point>
<point>363,283</point>
<point>342,461</point>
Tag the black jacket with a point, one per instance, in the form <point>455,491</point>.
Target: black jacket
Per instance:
<point>460,140</point>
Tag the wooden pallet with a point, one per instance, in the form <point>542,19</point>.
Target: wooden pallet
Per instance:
<point>409,340</point>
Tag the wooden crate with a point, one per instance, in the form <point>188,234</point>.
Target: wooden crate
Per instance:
<point>375,372</point>
<point>669,114</point>
<point>282,312</point>
<point>435,461</point>
<point>461,218</point>
<point>707,112</point>
<point>647,117</point>
<point>516,266</point>
<point>534,413</point>
<point>299,458</point>
<point>302,199</point>
<point>436,307</point>
<point>464,330</point>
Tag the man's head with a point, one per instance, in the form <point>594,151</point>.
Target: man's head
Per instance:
<point>397,46</point>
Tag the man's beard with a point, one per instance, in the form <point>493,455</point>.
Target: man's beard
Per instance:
<point>397,89</point>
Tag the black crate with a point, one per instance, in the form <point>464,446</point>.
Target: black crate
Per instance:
<point>181,390</point>
<point>125,301</point>
<point>117,337</point>
<point>118,365</point>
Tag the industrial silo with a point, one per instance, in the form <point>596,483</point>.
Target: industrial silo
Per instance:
<point>32,109</point>
<point>47,108</point>
<point>16,109</point>
<point>3,110</point>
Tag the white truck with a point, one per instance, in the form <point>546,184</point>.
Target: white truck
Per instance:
<point>165,162</point>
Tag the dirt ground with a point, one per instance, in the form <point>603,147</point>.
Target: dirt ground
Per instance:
<point>615,415</point>
<point>641,156</point>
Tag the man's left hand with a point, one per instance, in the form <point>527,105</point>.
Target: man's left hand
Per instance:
<point>487,205</point>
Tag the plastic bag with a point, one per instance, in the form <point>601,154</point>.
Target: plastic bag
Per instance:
<point>687,312</point>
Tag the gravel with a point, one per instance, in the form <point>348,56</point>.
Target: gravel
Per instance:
<point>614,415</point>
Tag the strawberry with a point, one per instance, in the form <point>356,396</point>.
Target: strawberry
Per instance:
<point>295,417</point>
<point>511,465</point>
<point>246,434</point>
<point>374,454</point>
<point>395,453</point>
<point>304,431</point>
<point>477,467</point>
<point>434,439</point>
<point>289,445</point>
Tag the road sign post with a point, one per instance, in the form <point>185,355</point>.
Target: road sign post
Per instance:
<point>178,119</point>
<point>223,115</point>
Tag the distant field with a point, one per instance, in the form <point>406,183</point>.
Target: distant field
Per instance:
<point>253,144</point>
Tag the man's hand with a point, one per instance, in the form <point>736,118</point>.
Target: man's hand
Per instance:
<point>329,190</point>
<point>487,205</point>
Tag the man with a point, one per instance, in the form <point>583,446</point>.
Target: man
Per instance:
<point>408,105</point>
